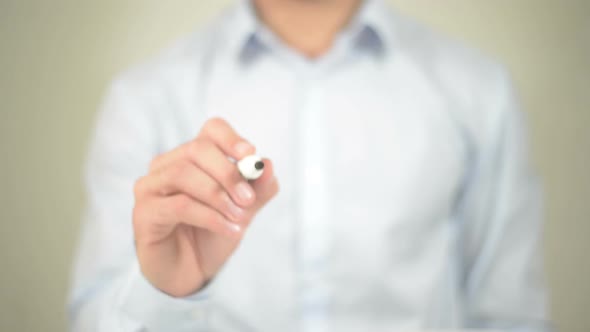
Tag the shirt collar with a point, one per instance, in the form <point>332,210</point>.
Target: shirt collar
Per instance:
<point>371,27</point>
<point>370,30</point>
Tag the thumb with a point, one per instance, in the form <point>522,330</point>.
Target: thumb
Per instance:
<point>266,186</point>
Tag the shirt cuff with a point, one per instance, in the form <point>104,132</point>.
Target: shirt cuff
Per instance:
<point>158,311</point>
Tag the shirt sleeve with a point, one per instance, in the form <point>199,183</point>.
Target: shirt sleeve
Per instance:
<point>501,237</point>
<point>108,291</point>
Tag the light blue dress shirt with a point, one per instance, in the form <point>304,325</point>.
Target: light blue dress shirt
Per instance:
<point>407,198</point>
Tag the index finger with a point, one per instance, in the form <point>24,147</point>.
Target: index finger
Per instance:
<point>226,138</point>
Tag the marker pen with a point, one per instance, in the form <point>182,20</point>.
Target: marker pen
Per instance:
<point>251,167</point>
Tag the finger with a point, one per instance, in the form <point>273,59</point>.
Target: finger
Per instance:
<point>226,138</point>
<point>180,208</point>
<point>220,133</point>
<point>212,161</point>
<point>186,178</point>
<point>206,155</point>
<point>266,186</point>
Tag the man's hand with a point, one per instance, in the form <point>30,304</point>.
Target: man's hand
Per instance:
<point>193,207</point>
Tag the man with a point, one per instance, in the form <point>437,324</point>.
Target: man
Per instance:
<point>406,196</point>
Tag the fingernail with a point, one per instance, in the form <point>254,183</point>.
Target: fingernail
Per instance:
<point>233,227</point>
<point>244,191</point>
<point>235,211</point>
<point>243,148</point>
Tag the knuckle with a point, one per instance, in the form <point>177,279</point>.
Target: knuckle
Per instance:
<point>196,149</point>
<point>228,174</point>
<point>178,171</point>
<point>190,150</point>
<point>214,123</point>
<point>183,170</point>
<point>180,205</point>
<point>155,162</point>
<point>139,186</point>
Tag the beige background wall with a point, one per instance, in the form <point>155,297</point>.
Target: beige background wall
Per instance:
<point>57,56</point>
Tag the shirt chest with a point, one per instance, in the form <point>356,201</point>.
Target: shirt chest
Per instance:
<point>384,145</point>
<point>369,166</point>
